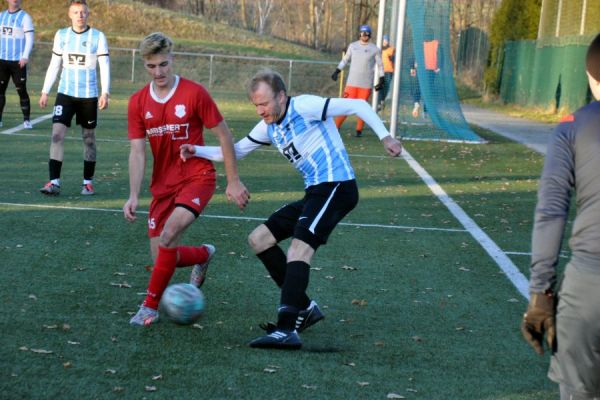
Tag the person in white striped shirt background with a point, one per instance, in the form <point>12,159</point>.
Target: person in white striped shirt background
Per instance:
<point>80,49</point>
<point>16,42</point>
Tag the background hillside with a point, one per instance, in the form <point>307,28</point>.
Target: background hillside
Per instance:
<point>126,22</point>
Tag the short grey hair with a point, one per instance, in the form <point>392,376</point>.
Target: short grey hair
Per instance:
<point>270,77</point>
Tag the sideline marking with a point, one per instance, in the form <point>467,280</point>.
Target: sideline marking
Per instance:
<point>506,265</point>
<point>115,210</point>
<point>19,127</point>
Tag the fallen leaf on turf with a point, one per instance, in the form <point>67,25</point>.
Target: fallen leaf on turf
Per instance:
<point>23,348</point>
<point>513,300</point>
<point>270,370</point>
<point>361,303</point>
<point>313,387</point>
<point>330,277</point>
<point>50,326</point>
<point>412,390</point>
<point>72,342</point>
<point>417,338</point>
<point>32,297</point>
<point>316,268</point>
<point>121,285</point>
<point>363,384</point>
<point>113,339</point>
<point>348,268</point>
<point>379,344</point>
<point>149,268</point>
<point>118,389</point>
<point>66,327</point>
<point>111,371</point>
<point>67,364</point>
<point>395,396</point>
<point>41,351</point>
<point>464,269</point>
<point>157,377</point>
<point>350,364</point>
<point>150,388</point>
<point>198,326</point>
<point>120,273</point>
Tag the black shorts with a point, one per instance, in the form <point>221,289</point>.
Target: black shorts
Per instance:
<point>313,218</point>
<point>85,110</point>
<point>12,69</point>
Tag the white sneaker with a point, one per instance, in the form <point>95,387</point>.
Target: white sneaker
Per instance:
<point>87,189</point>
<point>27,124</point>
<point>145,316</point>
<point>198,274</point>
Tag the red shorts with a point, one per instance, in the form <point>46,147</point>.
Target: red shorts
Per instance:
<point>193,196</point>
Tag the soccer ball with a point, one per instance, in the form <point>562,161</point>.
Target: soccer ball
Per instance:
<point>183,303</point>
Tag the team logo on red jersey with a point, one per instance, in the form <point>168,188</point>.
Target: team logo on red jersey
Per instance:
<point>180,110</point>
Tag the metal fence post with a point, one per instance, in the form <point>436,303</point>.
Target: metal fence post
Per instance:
<point>210,71</point>
<point>132,65</point>
<point>291,67</point>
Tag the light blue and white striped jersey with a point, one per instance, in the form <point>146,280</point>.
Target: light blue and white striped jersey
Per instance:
<point>309,140</point>
<point>13,27</point>
<point>79,52</point>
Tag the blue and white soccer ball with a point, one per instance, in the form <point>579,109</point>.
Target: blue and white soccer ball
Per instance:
<point>183,303</point>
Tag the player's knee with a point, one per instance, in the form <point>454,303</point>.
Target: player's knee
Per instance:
<point>89,137</point>
<point>58,137</point>
<point>253,241</point>
<point>167,236</point>
<point>22,91</point>
<point>261,239</point>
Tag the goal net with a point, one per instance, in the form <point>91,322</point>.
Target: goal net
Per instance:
<point>428,105</point>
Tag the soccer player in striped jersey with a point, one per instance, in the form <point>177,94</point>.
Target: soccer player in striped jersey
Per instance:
<point>167,112</point>
<point>80,49</point>
<point>16,42</point>
<point>303,130</point>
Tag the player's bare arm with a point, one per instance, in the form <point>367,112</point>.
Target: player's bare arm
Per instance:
<point>236,191</point>
<point>137,166</point>
<point>43,100</point>
<point>103,101</point>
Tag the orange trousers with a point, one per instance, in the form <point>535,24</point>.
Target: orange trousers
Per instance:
<point>353,92</point>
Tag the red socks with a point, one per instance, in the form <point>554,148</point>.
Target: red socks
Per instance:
<point>162,272</point>
<point>190,255</point>
<point>164,267</point>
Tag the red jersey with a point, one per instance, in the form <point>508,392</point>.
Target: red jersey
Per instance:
<point>168,123</point>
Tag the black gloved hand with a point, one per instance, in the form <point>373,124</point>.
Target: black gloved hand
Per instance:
<point>539,320</point>
<point>379,84</point>
<point>334,76</point>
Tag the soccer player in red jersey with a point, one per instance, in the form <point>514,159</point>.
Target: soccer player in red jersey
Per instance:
<point>168,112</point>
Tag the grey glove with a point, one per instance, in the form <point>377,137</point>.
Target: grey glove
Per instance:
<point>379,85</point>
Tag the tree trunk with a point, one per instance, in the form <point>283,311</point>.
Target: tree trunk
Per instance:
<point>243,14</point>
<point>312,17</point>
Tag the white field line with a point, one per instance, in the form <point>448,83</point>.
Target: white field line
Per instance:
<point>528,254</point>
<point>19,127</point>
<point>506,265</point>
<point>239,218</point>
